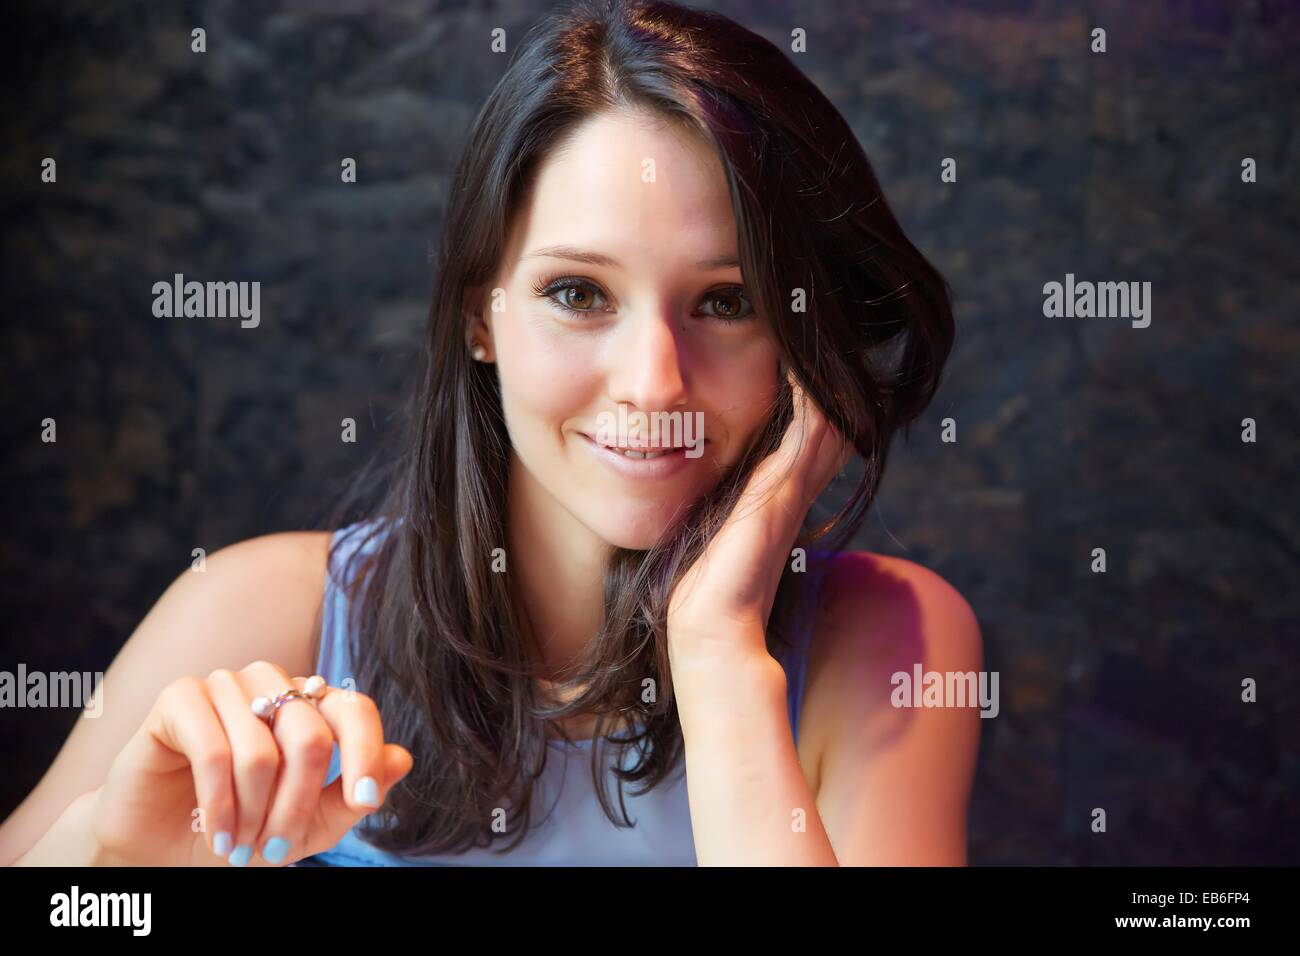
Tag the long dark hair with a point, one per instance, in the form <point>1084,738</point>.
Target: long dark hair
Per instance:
<point>436,634</point>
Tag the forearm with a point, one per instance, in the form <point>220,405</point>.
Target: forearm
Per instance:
<point>71,840</point>
<point>750,802</point>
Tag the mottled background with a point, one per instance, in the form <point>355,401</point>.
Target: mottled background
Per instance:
<point>1119,690</point>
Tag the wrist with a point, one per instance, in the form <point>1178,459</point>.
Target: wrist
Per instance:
<point>722,638</point>
<point>726,691</point>
<point>71,841</point>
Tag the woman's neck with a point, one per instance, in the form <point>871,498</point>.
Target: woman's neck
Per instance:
<point>558,567</point>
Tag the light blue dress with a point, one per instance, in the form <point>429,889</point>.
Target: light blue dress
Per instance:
<point>576,832</point>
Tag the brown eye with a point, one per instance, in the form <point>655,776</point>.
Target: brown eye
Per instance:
<point>570,295</point>
<point>731,305</point>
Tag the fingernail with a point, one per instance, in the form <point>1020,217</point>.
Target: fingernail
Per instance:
<point>241,856</point>
<point>366,791</point>
<point>221,845</point>
<point>275,849</point>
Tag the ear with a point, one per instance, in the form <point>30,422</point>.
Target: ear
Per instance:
<point>478,323</point>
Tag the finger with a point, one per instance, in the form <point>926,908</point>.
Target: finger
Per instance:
<point>779,475</point>
<point>355,722</point>
<point>796,461</point>
<point>822,449</point>
<point>187,724</point>
<point>337,814</point>
<point>306,743</point>
<point>255,759</point>
<point>808,423</point>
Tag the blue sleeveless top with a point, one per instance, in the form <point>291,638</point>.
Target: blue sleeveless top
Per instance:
<point>576,832</point>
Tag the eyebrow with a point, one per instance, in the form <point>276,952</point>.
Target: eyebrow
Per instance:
<point>600,259</point>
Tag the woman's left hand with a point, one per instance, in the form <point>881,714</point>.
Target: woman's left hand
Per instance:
<point>726,596</point>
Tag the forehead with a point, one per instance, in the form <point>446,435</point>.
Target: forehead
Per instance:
<point>626,183</point>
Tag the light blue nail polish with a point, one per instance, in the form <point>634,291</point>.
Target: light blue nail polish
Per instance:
<point>366,791</point>
<point>275,849</point>
<point>221,845</point>
<point>241,856</point>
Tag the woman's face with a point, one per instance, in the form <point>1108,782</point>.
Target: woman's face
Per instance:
<point>629,225</point>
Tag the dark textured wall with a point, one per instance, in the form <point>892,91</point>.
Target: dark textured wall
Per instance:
<point>1119,690</point>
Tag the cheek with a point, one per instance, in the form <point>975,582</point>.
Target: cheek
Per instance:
<point>542,383</point>
<point>744,392</point>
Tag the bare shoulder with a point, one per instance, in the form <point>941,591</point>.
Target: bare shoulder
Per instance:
<point>255,599</point>
<point>864,592</point>
<point>278,583</point>
<point>879,615</point>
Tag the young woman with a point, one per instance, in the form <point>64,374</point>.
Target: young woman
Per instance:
<point>587,622</point>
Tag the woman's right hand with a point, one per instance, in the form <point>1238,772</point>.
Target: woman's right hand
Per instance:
<point>204,768</point>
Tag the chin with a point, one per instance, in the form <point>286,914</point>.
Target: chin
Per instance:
<point>635,527</point>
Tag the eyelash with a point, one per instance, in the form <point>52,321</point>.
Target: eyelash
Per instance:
<point>546,288</point>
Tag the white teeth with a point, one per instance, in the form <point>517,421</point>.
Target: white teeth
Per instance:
<point>633,453</point>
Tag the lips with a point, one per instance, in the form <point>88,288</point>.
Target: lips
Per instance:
<point>642,463</point>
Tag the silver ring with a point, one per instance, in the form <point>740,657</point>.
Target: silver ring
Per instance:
<point>312,691</point>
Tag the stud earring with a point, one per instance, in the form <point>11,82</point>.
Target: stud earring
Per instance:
<point>478,352</point>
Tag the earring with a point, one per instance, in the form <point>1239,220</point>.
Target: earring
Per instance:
<point>478,352</point>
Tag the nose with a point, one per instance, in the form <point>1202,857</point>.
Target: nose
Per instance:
<point>646,370</point>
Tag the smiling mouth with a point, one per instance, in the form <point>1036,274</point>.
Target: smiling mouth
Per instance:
<point>643,453</point>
